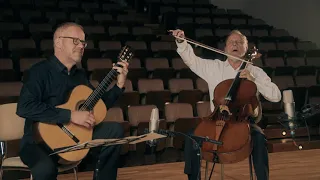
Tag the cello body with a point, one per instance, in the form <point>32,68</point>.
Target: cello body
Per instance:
<point>235,102</point>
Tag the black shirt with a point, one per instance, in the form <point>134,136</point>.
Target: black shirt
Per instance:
<point>48,85</point>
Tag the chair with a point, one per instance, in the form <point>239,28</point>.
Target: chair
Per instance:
<point>9,121</point>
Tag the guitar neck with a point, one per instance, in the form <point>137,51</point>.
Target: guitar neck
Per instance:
<point>100,90</point>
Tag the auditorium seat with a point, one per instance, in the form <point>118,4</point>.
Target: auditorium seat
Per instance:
<point>306,76</point>
<point>159,68</point>
<point>186,73</point>
<point>305,45</point>
<point>183,91</point>
<point>152,92</point>
<point>110,49</point>
<point>99,63</point>
<point>203,108</point>
<point>27,63</point>
<point>286,46</point>
<point>260,33</point>
<point>135,74</point>
<point>178,64</point>
<point>141,30</point>
<point>22,48</point>
<point>102,17</point>
<point>314,95</point>
<point>295,58</point>
<point>7,71</point>
<point>202,85</point>
<point>9,92</point>
<point>46,47</point>
<point>128,98</point>
<point>283,77</point>
<point>274,62</point>
<point>99,74</point>
<point>313,58</point>
<point>96,29</point>
<point>139,118</point>
<point>115,114</point>
<point>299,96</point>
<point>134,63</point>
<point>179,117</point>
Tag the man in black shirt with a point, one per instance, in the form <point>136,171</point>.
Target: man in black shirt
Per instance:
<point>49,84</point>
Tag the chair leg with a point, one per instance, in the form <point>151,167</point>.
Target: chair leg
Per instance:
<point>75,174</point>
<point>206,171</point>
<point>250,167</point>
<point>222,171</point>
<point>1,173</point>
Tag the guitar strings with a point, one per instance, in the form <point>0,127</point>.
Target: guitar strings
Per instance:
<point>93,96</point>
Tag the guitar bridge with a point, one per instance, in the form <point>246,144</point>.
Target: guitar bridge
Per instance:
<point>66,130</point>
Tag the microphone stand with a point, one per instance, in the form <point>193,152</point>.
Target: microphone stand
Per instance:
<point>197,145</point>
<point>292,125</point>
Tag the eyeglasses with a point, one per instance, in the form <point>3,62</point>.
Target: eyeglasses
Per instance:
<point>76,41</point>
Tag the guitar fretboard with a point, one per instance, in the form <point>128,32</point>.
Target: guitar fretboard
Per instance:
<point>99,91</point>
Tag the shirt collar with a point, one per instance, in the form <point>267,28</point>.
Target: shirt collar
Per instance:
<point>226,64</point>
<point>61,67</point>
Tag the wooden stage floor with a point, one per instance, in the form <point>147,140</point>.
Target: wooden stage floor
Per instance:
<point>293,165</point>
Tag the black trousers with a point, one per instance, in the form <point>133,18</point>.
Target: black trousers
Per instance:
<point>259,156</point>
<point>44,167</point>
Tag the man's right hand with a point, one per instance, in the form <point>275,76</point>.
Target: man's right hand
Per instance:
<point>178,33</point>
<point>83,118</point>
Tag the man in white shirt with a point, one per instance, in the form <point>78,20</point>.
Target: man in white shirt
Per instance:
<point>216,71</point>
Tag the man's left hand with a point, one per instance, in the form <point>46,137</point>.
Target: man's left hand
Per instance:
<point>123,71</point>
<point>246,74</point>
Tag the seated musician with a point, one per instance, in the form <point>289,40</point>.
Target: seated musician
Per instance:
<point>216,71</point>
<point>49,84</point>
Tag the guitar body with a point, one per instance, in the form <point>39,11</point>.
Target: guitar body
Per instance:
<point>55,137</point>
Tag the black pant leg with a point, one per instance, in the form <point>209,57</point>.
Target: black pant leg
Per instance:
<point>42,166</point>
<point>106,157</point>
<point>260,153</point>
<point>192,163</point>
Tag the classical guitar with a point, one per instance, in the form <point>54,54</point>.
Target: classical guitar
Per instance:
<point>82,98</point>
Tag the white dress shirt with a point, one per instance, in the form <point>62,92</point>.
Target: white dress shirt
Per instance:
<point>216,71</point>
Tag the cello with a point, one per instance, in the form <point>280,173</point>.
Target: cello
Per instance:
<point>235,102</point>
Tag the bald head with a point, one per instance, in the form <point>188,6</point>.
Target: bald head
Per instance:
<point>69,43</point>
<point>62,30</point>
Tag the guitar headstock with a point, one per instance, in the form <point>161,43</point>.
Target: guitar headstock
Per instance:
<point>126,53</point>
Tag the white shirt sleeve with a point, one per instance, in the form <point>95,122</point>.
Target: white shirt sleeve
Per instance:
<point>268,89</point>
<point>202,67</point>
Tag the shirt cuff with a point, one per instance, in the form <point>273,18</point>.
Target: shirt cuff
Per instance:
<point>118,90</point>
<point>181,46</point>
<point>65,115</point>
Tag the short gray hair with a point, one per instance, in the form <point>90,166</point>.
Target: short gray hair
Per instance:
<point>238,32</point>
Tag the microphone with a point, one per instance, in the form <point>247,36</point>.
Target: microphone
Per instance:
<point>289,109</point>
<point>153,125</point>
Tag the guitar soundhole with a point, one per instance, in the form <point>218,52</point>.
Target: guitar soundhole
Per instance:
<point>81,106</point>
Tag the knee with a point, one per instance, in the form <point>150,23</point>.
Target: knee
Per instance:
<point>44,171</point>
<point>259,138</point>
<point>118,131</point>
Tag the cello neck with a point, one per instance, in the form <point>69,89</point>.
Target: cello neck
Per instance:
<point>235,84</point>
<point>250,55</point>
